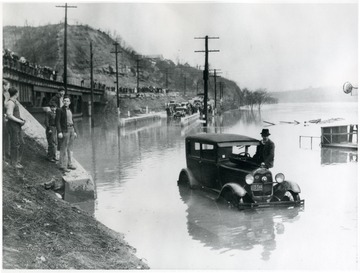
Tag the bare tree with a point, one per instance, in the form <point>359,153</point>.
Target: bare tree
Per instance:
<point>260,97</point>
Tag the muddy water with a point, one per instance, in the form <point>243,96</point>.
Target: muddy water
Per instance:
<point>136,170</point>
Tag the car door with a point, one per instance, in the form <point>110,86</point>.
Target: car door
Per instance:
<point>193,159</point>
<point>208,165</point>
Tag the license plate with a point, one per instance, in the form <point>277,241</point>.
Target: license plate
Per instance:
<point>257,187</point>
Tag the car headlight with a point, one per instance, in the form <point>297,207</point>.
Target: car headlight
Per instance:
<point>280,177</point>
<point>249,179</point>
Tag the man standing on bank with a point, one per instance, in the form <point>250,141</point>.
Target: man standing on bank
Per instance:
<point>67,133</point>
<point>14,127</point>
<point>58,98</point>
<point>6,141</point>
<point>265,152</point>
<point>58,101</point>
<point>50,130</point>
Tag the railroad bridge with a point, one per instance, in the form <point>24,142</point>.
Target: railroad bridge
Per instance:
<point>36,89</point>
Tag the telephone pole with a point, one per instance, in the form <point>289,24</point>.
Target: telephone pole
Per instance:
<point>221,93</point>
<point>92,85</point>
<point>206,71</point>
<point>116,44</point>
<point>137,74</point>
<point>215,76</point>
<point>167,78</point>
<point>65,44</point>
<point>184,84</point>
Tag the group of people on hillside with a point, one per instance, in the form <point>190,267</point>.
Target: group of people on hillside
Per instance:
<point>59,126</point>
<point>11,59</point>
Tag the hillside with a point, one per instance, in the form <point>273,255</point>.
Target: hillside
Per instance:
<point>44,45</point>
<point>321,94</point>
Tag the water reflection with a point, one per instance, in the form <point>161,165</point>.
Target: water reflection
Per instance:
<point>219,227</point>
<point>338,156</point>
<point>246,116</point>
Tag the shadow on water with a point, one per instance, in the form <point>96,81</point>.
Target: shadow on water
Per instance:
<point>219,227</point>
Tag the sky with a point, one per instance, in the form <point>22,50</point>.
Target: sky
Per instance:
<point>273,45</point>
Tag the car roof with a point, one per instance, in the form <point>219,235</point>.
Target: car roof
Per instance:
<point>223,139</point>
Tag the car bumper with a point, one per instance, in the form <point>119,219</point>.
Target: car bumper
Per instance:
<point>271,204</point>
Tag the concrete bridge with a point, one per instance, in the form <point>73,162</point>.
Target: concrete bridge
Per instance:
<point>36,89</point>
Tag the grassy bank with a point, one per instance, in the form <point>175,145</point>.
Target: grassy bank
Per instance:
<point>41,231</point>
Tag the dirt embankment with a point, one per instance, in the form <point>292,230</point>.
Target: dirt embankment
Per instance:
<point>41,231</point>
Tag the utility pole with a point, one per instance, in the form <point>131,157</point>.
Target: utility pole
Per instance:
<point>65,44</point>
<point>184,84</point>
<point>116,44</point>
<point>137,74</point>
<point>215,76</point>
<point>206,71</point>
<point>167,78</point>
<point>221,93</point>
<point>92,85</point>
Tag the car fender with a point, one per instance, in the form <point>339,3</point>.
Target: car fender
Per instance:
<point>235,188</point>
<point>192,181</point>
<point>289,185</point>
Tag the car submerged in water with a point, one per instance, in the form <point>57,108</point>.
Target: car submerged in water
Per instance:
<point>223,164</point>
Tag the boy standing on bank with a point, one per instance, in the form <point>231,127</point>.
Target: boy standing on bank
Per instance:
<point>67,133</point>
<point>51,135</point>
<point>14,127</point>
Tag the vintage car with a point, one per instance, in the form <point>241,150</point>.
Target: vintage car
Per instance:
<point>180,112</point>
<point>223,163</point>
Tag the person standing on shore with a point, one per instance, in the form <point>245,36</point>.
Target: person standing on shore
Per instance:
<point>58,101</point>
<point>58,98</point>
<point>6,141</point>
<point>14,127</point>
<point>67,133</point>
<point>51,136</point>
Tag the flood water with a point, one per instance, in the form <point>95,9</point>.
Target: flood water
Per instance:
<point>136,172</point>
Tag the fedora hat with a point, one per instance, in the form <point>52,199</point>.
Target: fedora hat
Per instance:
<point>265,132</point>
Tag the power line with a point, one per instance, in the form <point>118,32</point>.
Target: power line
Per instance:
<point>65,44</point>
<point>215,76</point>
<point>116,44</point>
<point>206,71</point>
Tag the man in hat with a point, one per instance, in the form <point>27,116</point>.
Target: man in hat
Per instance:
<point>266,150</point>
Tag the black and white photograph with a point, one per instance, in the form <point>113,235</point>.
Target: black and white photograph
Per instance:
<point>180,135</point>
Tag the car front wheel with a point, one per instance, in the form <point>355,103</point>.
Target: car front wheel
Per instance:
<point>232,199</point>
<point>291,196</point>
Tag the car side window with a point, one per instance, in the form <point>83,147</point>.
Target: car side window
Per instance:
<point>208,152</point>
<point>224,153</point>
<point>194,149</point>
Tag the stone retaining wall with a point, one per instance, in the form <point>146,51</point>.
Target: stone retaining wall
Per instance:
<point>78,183</point>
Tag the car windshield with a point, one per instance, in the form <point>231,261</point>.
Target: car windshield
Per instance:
<point>226,152</point>
<point>251,150</point>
